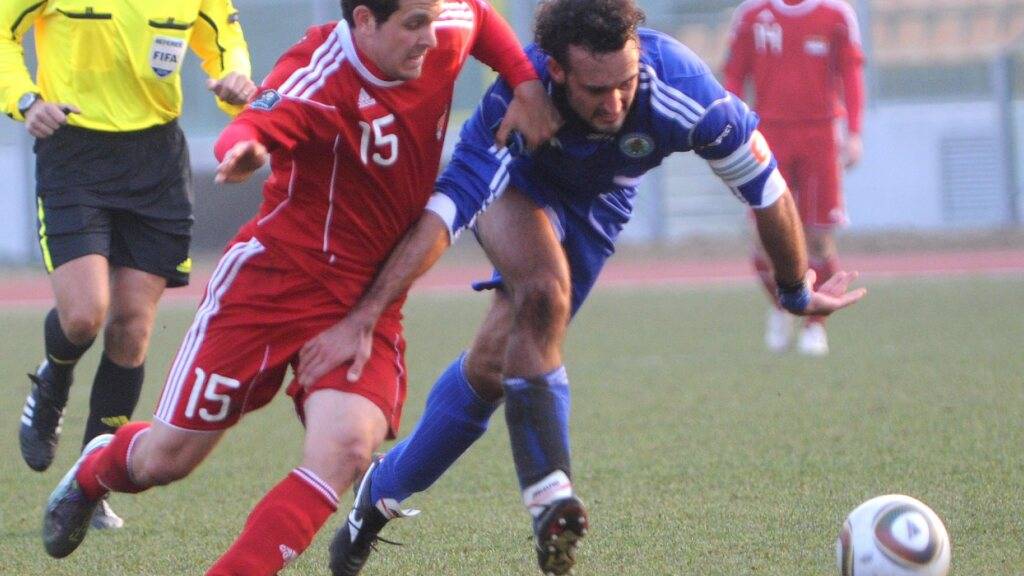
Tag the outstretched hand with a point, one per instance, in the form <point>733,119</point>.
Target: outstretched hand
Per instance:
<point>348,340</point>
<point>532,114</point>
<point>241,161</point>
<point>832,295</point>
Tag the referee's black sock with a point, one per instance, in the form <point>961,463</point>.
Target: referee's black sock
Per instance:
<point>115,393</point>
<point>61,354</point>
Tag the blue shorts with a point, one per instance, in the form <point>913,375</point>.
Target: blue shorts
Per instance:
<point>587,227</point>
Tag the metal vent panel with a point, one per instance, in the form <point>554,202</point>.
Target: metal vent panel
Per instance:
<point>974,190</point>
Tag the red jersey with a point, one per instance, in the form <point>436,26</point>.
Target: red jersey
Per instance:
<point>801,57</point>
<point>354,155</point>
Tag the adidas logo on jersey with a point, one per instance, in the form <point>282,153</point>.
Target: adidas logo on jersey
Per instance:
<point>365,100</point>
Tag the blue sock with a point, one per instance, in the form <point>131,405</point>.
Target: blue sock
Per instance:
<point>453,419</point>
<point>537,413</point>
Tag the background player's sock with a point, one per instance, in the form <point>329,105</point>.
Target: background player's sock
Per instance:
<point>61,354</point>
<point>824,268</point>
<point>106,470</point>
<point>115,393</point>
<point>764,274</point>
<point>537,413</point>
<point>280,527</point>
<point>453,419</point>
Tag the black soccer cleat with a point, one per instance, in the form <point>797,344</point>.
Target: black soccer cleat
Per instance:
<point>69,511</point>
<point>360,533</point>
<point>41,419</point>
<point>558,529</point>
<point>354,541</point>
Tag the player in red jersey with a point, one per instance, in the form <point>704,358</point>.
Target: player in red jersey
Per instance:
<point>352,120</point>
<point>805,60</point>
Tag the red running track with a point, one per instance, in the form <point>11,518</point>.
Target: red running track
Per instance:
<point>33,289</point>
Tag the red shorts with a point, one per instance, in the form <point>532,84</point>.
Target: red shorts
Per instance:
<point>808,156</point>
<point>258,312</point>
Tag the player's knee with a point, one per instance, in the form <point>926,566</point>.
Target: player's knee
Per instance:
<point>81,323</point>
<point>127,339</point>
<point>543,300</point>
<point>355,449</point>
<point>341,459</point>
<point>483,370</point>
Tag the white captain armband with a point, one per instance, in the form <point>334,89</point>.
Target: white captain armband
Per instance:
<point>751,172</point>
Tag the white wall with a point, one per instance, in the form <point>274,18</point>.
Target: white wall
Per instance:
<point>17,195</point>
<point>899,183</point>
<point>897,186</point>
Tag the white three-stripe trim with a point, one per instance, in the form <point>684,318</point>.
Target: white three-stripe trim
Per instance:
<point>316,483</point>
<point>498,182</point>
<point>223,277</point>
<point>324,55</point>
<point>669,101</point>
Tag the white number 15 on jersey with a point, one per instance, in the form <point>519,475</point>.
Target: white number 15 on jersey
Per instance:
<point>387,144</point>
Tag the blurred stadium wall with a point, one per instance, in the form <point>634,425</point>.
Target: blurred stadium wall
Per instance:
<point>944,129</point>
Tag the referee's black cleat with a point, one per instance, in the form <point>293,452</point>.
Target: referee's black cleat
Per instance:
<point>68,511</point>
<point>41,419</point>
<point>557,530</point>
<point>360,532</point>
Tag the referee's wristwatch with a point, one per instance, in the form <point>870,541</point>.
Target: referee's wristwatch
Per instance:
<point>27,100</point>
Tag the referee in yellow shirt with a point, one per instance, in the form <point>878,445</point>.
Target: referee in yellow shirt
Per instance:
<point>113,182</point>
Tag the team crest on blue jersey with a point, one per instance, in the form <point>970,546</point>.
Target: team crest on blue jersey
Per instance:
<point>636,145</point>
<point>266,100</point>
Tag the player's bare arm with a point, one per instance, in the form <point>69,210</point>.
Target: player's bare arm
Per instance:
<point>234,88</point>
<point>532,114</point>
<point>781,234</point>
<point>352,338</point>
<point>44,118</point>
<point>853,150</point>
<point>240,161</point>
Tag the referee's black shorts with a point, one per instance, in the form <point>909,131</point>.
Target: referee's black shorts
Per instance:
<point>126,196</point>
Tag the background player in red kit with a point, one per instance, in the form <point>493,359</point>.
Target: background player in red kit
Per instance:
<point>801,55</point>
<point>352,119</point>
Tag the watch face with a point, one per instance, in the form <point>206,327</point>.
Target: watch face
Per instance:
<point>26,100</point>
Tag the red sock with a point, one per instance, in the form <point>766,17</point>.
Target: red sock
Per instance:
<point>106,470</point>
<point>280,527</point>
<point>764,273</point>
<point>824,268</point>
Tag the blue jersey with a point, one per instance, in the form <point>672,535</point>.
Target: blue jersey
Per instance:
<point>587,181</point>
<point>679,107</point>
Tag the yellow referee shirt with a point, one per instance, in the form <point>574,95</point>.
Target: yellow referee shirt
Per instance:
<point>119,61</point>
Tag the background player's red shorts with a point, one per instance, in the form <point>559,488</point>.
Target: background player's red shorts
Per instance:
<point>808,156</point>
<point>258,312</point>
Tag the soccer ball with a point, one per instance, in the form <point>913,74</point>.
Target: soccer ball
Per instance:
<point>893,535</point>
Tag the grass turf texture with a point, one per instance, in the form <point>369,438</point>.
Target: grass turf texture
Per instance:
<point>698,452</point>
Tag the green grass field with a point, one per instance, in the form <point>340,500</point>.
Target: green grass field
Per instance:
<point>698,452</point>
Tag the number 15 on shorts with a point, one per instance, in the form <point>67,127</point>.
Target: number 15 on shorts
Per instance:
<point>208,388</point>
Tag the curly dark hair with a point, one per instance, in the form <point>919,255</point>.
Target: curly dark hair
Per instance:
<point>598,26</point>
<point>382,9</point>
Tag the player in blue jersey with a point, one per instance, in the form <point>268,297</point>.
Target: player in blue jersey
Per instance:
<point>630,97</point>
